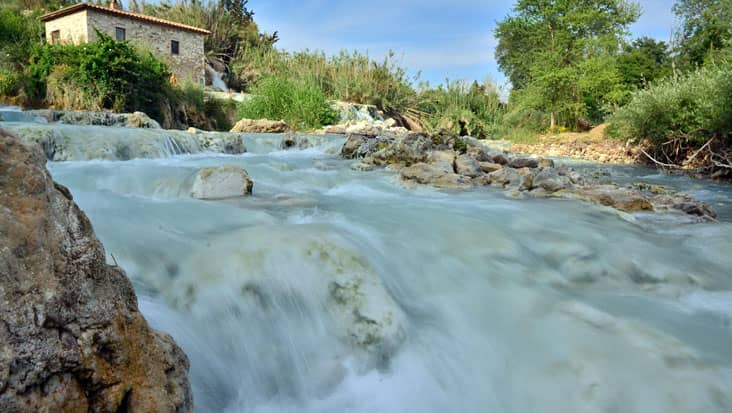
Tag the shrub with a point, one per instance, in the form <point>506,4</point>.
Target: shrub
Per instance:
<point>695,106</point>
<point>301,103</point>
<point>105,74</point>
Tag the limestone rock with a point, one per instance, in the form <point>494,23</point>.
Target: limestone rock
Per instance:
<point>221,142</point>
<point>523,163</point>
<point>435,175</point>
<point>488,167</point>
<point>260,126</point>
<point>466,165</point>
<point>504,177</point>
<point>617,197</point>
<point>363,167</point>
<point>72,336</point>
<point>549,180</point>
<point>221,182</point>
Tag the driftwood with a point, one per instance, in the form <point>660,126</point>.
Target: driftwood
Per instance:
<point>713,158</point>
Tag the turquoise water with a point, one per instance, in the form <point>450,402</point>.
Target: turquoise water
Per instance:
<point>471,301</point>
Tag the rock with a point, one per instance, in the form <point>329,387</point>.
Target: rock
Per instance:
<point>545,163</point>
<point>363,167</point>
<point>194,131</point>
<point>504,177</point>
<point>77,117</point>
<point>683,203</point>
<point>260,126</point>
<point>222,142</point>
<point>72,337</point>
<point>435,175</point>
<point>500,159</point>
<point>466,165</point>
<point>519,163</point>
<point>221,182</point>
<point>619,198</point>
<point>699,209</point>
<point>488,167</point>
<point>351,148</point>
<point>363,127</point>
<point>445,159</point>
<point>409,149</point>
<point>334,276</point>
<point>292,141</point>
<point>335,129</point>
<point>140,120</point>
<point>549,180</point>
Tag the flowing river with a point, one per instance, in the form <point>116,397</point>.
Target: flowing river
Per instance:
<point>332,290</point>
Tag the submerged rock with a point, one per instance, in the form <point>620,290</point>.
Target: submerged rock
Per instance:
<point>72,337</point>
<point>221,182</point>
<point>300,273</point>
<point>260,126</point>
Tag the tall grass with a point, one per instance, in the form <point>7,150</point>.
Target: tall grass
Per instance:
<point>462,107</point>
<point>348,76</point>
<point>299,102</point>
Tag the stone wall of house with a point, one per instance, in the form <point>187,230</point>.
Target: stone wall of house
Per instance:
<point>72,28</point>
<point>188,65</point>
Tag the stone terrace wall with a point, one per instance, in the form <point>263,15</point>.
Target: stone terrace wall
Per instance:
<point>188,65</point>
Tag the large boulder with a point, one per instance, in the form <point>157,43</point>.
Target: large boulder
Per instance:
<point>220,182</point>
<point>72,337</point>
<point>260,126</point>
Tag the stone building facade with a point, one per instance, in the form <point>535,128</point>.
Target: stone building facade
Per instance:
<point>179,45</point>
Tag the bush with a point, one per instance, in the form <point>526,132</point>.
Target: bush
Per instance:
<point>105,74</point>
<point>695,106</point>
<point>301,103</point>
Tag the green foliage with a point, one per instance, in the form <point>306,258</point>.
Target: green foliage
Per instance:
<point>112,74</point>
<point>706,30</point>
<point>560,51</point>
<point>301,103</point>
<point>644,61</point>
<point>697,105</point>
<point>351,77</point>
<point>463,108</point>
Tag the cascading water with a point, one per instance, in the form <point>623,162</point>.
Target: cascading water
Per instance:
<point>332,290</point>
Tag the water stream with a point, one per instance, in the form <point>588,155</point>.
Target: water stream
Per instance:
<point>332,290</point>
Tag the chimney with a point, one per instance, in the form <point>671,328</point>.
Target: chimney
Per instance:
<point>115,4</point>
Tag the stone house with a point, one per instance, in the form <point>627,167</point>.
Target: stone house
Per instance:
<point>179,45</point>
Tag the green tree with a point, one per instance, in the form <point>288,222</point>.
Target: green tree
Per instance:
<point>706,29</point>
<point>545,46</point>
<point>643,61</point>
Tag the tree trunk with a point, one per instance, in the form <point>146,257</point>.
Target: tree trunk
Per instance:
<point>552,122</point>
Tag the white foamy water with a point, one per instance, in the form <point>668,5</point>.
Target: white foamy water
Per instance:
<point>332,290</point>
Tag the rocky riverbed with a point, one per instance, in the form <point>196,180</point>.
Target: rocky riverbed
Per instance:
<point>447,161</point>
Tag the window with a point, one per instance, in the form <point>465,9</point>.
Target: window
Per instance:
<point>174,47</point>
<point>121,34</point>
<point>55,36</point>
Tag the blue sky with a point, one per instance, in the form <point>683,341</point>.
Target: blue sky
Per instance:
<point>443,39</point>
